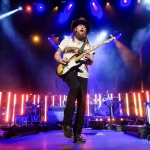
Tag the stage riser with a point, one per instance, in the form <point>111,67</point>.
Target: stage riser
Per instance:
<point>97,124</point>
<point>55,117</point>
<point>19,131</point>
<point>141,131</point>
<point>116,127</point>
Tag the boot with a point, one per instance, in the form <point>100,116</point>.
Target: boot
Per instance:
<point>67,131</point>
<point>78,138</point>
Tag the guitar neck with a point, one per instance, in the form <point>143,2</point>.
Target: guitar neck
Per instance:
<point>90,50</point>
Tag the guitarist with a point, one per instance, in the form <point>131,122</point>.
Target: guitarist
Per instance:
<point>76,79</point>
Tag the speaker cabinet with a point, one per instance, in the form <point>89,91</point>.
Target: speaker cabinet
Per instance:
<point>97,124</point>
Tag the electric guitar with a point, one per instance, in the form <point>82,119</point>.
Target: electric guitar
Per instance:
<point>74,60</point>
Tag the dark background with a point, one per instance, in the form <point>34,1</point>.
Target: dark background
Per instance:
<point>30,68</point>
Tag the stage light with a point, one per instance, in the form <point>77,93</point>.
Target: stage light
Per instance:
<point>135,104</point>
<point>13,117</point>
<point>147,96</point>
<point>100,99</point>
<point>140,104</point>
<point>53,43</point>
<point>146,4</point>
<point>8,13</point>
<point>28,9</point>
<point>0,99</point>
<point>118,36</point>
<point>88,103</point>
<point>65,36</point>
<point>70,6</point>
<point>27,97</point>
<point>96,9</point>
<point>34,100</point>
<point>53,100</point>
<point>100,37</point>
<point>93,3</point>
<point>55,8</point>
<point>64,16</point>
<point>20,8</point>
<point>38,100</point>
<point>103,34</point>
<point>40,7</point>
<point>8,107</point>
<point>107,4</point>
<point>139,1</point>
<point>119,96</point>
<point>125,3</point>
<point>36,39</point>
<point>60,100</point>
<point>127,104</point>
<point>45,114</point>
<point>22,104</point>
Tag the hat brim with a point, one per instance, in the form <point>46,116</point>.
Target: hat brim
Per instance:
<point>75,23</point>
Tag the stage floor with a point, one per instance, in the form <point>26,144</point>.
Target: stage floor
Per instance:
<point>95,140</point>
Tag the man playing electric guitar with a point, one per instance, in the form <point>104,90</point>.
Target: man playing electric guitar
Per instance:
<point>77,77</point>
<point>78,54</point>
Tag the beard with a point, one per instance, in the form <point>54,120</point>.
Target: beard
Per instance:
<point>80,35</point>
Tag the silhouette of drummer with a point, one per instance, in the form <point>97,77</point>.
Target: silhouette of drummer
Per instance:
<point>29,108</point>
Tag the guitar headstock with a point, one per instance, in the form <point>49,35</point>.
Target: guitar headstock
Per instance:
<point>109,40</point>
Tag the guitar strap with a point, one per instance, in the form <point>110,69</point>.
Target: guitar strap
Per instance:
<point>80,51</point>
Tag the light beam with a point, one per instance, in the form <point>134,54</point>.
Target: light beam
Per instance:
<point>9,13</point>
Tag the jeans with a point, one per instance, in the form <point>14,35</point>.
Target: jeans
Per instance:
<point>78,90</point>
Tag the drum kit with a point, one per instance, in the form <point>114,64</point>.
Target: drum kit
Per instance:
<point>32,112</point>
<point>109,107</point>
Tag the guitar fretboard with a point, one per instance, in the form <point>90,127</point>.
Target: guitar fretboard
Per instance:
<point>90,50</point>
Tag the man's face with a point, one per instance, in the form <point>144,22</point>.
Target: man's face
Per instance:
<point>80,32</point>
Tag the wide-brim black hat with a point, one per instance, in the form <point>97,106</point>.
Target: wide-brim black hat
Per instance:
<point>81,20</point>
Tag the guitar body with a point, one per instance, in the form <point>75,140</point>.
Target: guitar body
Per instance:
<point>63,69</point>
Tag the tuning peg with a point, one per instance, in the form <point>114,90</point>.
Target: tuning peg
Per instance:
<point>112,36</point>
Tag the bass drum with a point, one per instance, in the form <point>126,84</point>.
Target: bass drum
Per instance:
<point>104,111</point>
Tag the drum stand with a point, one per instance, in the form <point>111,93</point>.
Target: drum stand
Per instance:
<point>111,113</point>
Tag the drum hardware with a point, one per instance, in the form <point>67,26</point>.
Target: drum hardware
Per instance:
<point>64,102</point>
<point>110,107</point>
<point>31,114</point>
<point>94,106</point>
<point>104,110</point>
